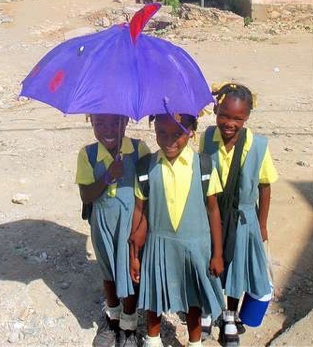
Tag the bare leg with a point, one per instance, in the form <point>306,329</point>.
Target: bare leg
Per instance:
<point>154,324</point>
<point>232,304</point>
<point>130,303</point>
<point>112,300</point>
<point>110,293</point>
<point>193,318</point>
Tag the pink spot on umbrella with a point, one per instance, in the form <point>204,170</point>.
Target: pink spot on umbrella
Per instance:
<point>56,81</point>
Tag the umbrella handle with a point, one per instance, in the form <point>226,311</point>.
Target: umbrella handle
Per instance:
<point>118,156</point>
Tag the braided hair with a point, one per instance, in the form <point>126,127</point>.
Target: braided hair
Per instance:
<point>236,91</point>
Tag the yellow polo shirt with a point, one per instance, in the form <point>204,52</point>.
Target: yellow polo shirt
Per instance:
<point>177,182</point>
<point>84,173</point>
<point>267,174</point>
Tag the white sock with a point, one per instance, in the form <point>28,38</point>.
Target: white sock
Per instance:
<point>128,321</point>
<point>229,316</point>
<point>114,312</point>
<point>230,326</point>
<point>206,321</point>
<point>153,341</point>
<point>194,344</point>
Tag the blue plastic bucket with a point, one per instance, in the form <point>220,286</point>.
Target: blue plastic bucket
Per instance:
<point>253,309</point>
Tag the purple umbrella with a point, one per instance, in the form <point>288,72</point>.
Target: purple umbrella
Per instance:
<point>119,71</point>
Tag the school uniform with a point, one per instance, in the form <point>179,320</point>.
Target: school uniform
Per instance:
<point>174,269</point>
<point>112,212</point>
<point>247,272</point>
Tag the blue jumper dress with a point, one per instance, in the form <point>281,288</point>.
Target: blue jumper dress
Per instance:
<point>174,272</point>
<point>110,222</point>
<point>248,271</point>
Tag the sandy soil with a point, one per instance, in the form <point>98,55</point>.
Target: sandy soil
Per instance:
<point>50,283</point>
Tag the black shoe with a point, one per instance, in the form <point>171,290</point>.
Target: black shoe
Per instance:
<point>240,327</point>
<point>106,334</point>
<point>205,332</point>
<point>228,339</point>
<point>126,338</point>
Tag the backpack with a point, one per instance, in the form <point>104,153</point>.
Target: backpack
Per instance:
<point>92,152</point>
<point>142,171</point>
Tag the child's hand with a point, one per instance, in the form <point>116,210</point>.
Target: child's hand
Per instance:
<point>135,270</point>
<point>116,169</point>
<point>134,263</point>
<point>216,265</point>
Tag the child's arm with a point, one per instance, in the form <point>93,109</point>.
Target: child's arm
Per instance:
<point>137,238</point>
<point>216,263</point>
<point>91,192</point>
<point>264,206</point>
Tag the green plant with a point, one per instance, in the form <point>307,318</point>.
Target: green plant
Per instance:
<point>174,3</point>
<point>247,21</point>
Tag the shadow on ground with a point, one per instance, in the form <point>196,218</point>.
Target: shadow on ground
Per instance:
<point>297,300</point>
<point>38,249</point>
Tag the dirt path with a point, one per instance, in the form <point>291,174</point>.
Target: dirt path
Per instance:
<point>50,284</point>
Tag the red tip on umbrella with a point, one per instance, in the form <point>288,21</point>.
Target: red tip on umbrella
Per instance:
<point>141,18</point>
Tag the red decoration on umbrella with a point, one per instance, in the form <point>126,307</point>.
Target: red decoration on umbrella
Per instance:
<point>141,18</point>
<point>56,81</point>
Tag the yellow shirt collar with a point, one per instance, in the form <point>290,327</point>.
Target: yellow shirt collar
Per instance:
<point>126,148</point>
<point>185,157</point>
<point>217,137</point>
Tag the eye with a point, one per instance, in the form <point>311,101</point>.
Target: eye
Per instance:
<point>177,135</point>
<point>160,132</point>
<point>239,119</point>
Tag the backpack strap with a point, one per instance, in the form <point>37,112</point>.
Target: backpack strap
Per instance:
<point>135,154</point>
<point>92,152</point>
<point>209,146</point>
<point>206,170</point>
<point>142,172</point>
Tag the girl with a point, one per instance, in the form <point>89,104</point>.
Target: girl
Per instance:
<point>177,254</point>
<point>108,184</point>
<point>247,271</point>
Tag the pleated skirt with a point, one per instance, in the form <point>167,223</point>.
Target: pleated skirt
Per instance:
<point>175,275</point>
<point>110,228</point>
<point>248,271</point>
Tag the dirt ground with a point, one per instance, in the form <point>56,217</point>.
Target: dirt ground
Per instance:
<point>50,285</point>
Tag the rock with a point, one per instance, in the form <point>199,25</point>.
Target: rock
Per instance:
<point>20,198</point>
<point>65,285</point>
<point>303,163</point>
<point>274,15</point>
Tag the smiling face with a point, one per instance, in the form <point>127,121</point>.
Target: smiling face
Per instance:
<point>109,129</point>
<point>231,115</point>
<point>170,136</point>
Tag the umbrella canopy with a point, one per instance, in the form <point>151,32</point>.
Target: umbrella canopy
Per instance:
<point>119,71</point>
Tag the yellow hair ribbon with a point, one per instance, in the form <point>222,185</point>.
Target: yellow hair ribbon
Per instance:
<point>215,87</point>
<point>221,99</point>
